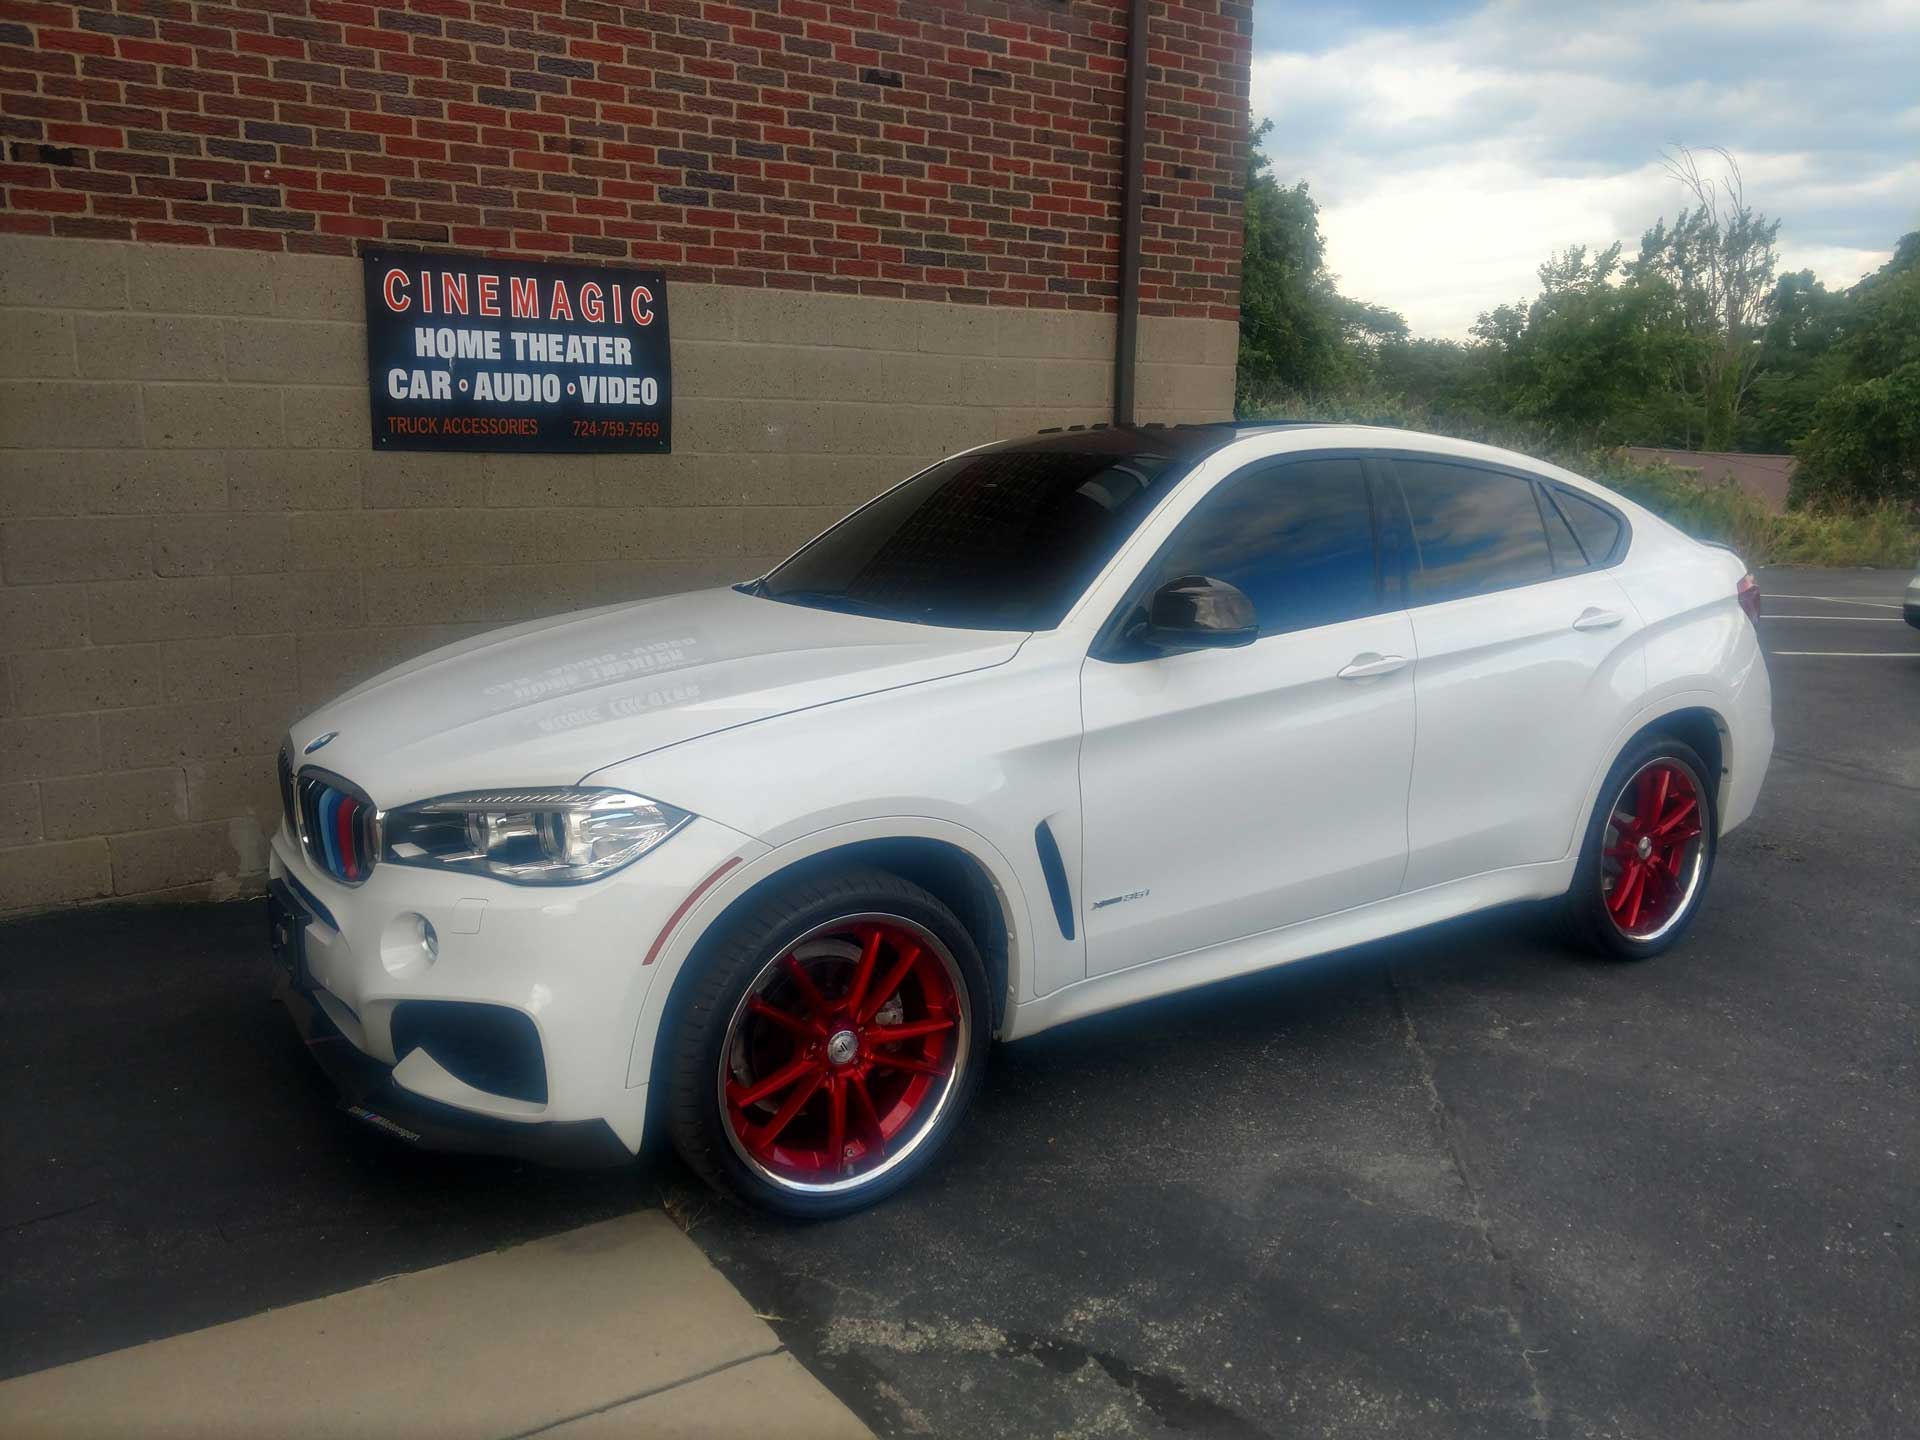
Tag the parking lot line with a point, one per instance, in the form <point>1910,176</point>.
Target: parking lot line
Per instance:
<point>1854,654</point>
<point>1847,619</point>
<point>1830,599</point>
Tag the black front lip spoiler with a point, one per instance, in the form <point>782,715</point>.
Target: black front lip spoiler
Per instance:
<point>368,1094</point>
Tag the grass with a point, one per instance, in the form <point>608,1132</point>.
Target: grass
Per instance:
<point>1884,535</point>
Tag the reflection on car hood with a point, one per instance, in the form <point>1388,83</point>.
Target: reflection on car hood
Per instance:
<point>550,701</point>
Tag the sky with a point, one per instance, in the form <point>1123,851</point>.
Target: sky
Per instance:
<point>1454,144</point>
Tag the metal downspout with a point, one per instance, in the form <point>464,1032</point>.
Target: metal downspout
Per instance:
<point>1133,167</point>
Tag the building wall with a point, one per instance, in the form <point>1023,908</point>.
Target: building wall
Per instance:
<point>933,150</point>
<point>890,230</point>
<point>1767,478</point>
<point>188,562</point>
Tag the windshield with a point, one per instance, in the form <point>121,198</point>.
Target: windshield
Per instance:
<point>1005,540</point>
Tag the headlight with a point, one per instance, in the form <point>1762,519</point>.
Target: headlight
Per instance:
<point>530,837</point>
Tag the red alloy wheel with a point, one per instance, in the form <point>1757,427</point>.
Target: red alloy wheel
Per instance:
<point>1653,861</point>
<point>843,1052</point>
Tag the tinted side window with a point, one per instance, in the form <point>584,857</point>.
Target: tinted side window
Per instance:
<point>1598,529</point>
<point>1297,537</point>
<point>1477,530</point>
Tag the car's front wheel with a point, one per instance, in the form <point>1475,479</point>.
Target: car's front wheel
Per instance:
<point>1648,854</point>
<point>829,1042</point>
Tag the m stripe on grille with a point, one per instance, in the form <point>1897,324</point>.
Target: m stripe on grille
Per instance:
<point>329,812</point>
<point>349,809</point>
<point>337,829</point>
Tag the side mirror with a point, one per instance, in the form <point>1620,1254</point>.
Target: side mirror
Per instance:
<point>1196,612</point>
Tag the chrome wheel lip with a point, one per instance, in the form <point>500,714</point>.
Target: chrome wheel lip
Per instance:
<point>937,1104</point>
<point>1696,869</point>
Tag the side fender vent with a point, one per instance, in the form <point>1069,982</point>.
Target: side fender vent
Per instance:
<point>1055,870</point>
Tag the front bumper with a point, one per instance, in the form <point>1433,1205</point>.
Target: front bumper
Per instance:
<point>368,1094</point>
<point>561,964</point>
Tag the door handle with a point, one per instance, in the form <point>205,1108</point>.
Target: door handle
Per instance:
<point>1370,663</point>
<point>1594,618</point>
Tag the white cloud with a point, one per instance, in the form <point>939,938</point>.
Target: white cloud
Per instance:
<point>1443,245</point>
<point>1449,161</point>
<point>1836,266</point>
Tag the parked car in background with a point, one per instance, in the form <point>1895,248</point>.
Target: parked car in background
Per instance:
<point>1051,727</point>
<point>1912,606</point>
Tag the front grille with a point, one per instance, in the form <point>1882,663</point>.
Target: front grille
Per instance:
<point>336,826</point>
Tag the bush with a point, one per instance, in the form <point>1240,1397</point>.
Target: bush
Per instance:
<point>1886,534</point>
<point>1865,444</point>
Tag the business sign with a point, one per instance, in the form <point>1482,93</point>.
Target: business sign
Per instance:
<point>465,353</point>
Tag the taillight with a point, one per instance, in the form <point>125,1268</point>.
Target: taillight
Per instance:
<point>1747,592</point>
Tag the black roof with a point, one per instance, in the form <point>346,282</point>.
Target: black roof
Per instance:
<point>1179,442</point>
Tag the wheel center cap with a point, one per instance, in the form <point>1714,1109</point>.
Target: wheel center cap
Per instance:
<point>1645,847</point>
<point>842,1046</point>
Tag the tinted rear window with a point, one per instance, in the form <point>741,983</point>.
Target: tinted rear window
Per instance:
<point>1476,530</point>
<point>1598,529</point>
<point>1006,540</point>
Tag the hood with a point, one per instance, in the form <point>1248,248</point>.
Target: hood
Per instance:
<point>551,701</point>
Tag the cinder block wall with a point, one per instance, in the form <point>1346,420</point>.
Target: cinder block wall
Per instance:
<point>197,544</point>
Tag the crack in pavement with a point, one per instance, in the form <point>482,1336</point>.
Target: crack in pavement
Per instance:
<point>1169,1399</point>
<point>1538,1405</point>
<point>14,1225</point>
<point>548,1426</point>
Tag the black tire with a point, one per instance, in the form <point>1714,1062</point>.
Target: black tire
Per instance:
<point>1586,914</point>
<point>742,954</point>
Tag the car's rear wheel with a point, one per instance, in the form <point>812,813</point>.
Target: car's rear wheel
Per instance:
<point>1649,852</point>
<point>829,1043</point>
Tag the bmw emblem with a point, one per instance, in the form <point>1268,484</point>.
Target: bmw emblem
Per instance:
<point>315,744</point>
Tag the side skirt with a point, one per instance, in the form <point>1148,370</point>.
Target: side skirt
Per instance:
<point>1338,931</point>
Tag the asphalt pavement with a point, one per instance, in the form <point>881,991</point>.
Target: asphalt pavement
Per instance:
<point>1465,1182</point>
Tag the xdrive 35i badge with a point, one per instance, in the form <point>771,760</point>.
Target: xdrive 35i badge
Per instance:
<point>316,743</point>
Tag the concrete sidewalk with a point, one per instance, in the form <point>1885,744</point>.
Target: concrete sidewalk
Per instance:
<point>621,1328</point>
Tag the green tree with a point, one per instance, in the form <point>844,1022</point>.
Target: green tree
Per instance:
<point>1718,259</point>
<point>1863,445</point>
<point>1697,342</point>
<point>1591,356</point>
<point>1298,334</point>
<point>1798,363</point>
<point>1443,378</point>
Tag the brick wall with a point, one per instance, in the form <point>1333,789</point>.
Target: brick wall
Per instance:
<point>936,151</point>
<point>188,561</point>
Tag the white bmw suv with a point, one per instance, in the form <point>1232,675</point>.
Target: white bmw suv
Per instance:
<point>1051,727</point>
